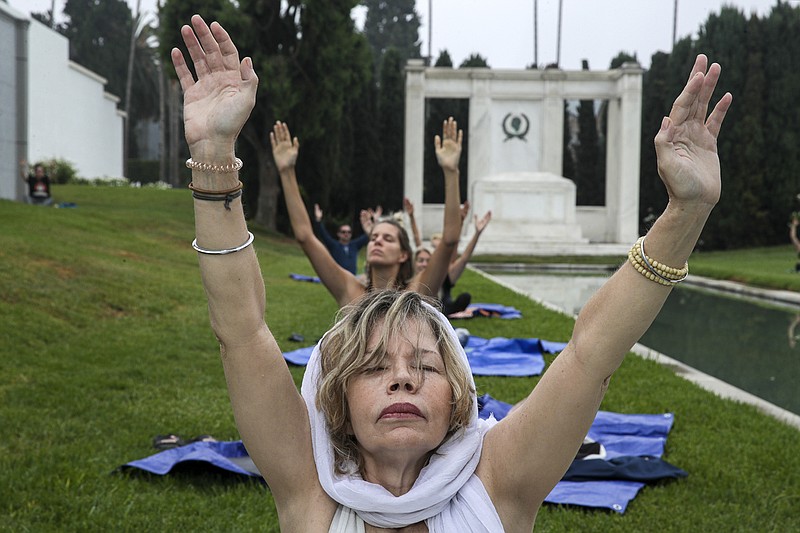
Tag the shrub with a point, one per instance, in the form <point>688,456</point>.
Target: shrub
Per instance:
<point>60,170</point>
<point>142,170</point>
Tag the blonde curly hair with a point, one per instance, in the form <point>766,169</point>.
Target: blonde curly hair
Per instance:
<point>344,355</point>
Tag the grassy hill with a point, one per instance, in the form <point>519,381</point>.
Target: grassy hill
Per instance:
<point>105,343</point>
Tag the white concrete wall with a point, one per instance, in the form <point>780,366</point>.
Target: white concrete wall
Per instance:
<point>12,73</point>
<point>70,116</point>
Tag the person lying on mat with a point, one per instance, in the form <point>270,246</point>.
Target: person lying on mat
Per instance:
<point>384,434</point>
<point>389,252</point>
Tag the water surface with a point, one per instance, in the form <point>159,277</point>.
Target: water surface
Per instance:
<point>752,345</point>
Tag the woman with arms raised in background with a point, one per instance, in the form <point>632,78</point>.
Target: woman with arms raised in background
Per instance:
<point>389,253</point>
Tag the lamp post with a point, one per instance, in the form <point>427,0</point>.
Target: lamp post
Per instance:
<point>674,22</point>
<point>430,31</point>
<point>558,38</point>
<point>536,33</point>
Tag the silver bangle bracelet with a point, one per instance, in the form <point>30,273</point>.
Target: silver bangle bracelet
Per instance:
<point>654,271</point>
<point>226,251</point>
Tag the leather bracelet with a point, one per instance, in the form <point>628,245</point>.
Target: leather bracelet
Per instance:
<point>223,192</point>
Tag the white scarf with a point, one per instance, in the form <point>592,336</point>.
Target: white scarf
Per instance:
<point>438,482</point>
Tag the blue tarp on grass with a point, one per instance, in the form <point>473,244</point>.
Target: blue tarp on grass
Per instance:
<point>634,443</point>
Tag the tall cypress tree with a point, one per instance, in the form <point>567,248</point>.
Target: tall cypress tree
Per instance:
<point>781,61</point>
<point>391,103</point>
<point>568,155</point>
<point>392,24</point>
<point>590,191</point>
<point>723,38</point>
<point>311,66</point>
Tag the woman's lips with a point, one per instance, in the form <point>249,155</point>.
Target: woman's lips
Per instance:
<point>401,410</point>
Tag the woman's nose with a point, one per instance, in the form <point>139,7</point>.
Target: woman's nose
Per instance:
<point>403,379</point>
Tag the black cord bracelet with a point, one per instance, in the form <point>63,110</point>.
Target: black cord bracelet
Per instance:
<point>227,198</point>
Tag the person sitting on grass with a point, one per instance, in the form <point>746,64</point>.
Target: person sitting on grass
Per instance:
<point>384,434</point>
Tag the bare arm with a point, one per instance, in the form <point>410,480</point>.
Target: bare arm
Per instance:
<point>366,220</point>
<point>457,267</point>
<point>343,286</point>
<point>216,106</point>
<point>409,208</point>
<point>527,453</point>
<point>448,154</point>
<point>793,234</point>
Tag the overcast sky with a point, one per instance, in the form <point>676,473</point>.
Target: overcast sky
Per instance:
<point>502,30</point>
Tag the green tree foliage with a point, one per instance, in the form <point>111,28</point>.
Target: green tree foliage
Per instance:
<point>568,156</point>
<point>665,78</point>
<point>392,30</point>
<point>621,58</point>
<point>724,39</point>
<point>760,58</point>
<point>474,61</point>
<point>392,24</point>
<point>781,65</point>
<point>444,60</point>
<point>391,103</point>
<point>313,66</point>
<point>590,183</point>
<point>438,110</point>
<point>99,38</point>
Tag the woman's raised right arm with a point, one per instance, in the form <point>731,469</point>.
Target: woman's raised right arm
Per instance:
<point>270,413</point>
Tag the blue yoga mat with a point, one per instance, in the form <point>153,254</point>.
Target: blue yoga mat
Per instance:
<point>497,356</point>
<point>622,435</point>
<point>630,441</point>
<point>303,277</point>
<point>475,310</point>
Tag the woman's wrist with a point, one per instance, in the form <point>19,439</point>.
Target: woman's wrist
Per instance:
<point>213,152</point>
<point>209,163</point>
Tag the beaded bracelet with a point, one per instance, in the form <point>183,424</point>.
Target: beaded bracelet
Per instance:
<point>672,274</point>
<point>225,251</point>
<point>217,169</point>
<point>652,269</point>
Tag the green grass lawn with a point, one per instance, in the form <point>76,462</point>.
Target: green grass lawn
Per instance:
<point>106,343</point>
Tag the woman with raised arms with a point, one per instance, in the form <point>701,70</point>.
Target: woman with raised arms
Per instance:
<point>384,434</point>
<point>389,253</point>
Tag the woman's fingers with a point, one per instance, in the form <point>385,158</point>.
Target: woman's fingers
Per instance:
<point>700,65</point>
<point>228,52</point>
<point>685,105</point>
<point>213,56</point>
<point>195,50</point>
<point>714,122</point>
<point>706,90</point>
<point>182,70</point>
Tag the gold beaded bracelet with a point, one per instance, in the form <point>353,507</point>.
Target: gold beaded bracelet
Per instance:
<point>217,169</point>
<point>652,269</point>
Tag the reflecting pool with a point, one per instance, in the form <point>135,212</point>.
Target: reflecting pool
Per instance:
<point>753,345</point>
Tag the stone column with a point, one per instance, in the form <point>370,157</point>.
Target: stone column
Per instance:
<point>626,225</point>
<point>552,127</point>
